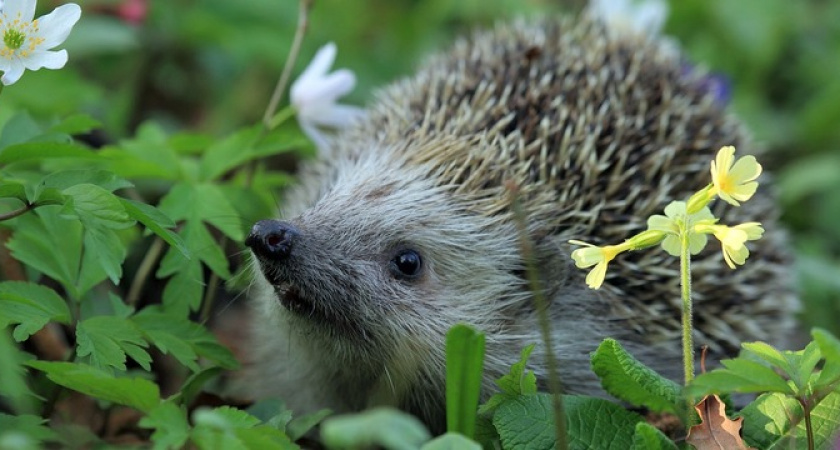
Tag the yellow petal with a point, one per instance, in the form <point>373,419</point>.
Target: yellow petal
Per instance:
<point>596,276</point>
<point>745,169</point>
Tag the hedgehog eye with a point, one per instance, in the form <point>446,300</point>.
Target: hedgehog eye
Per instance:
<point>406,264</point>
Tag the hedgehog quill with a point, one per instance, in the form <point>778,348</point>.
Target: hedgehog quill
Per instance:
<point>405,227</point>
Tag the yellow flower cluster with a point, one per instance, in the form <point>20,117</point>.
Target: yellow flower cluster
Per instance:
<point>733,181</point>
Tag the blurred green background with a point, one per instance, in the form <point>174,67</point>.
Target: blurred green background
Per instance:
<point>210,66</point>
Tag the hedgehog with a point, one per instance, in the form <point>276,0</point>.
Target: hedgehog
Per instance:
<point>405,226</point>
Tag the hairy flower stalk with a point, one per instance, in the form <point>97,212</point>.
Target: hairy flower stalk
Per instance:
<point>27,43</point>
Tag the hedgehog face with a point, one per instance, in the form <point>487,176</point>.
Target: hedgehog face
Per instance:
<point>379,251</point>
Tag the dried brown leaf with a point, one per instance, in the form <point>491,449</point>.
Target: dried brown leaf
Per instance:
<point>716,432</point>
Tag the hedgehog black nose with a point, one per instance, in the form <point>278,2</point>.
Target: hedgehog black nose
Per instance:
<point>272,239</point>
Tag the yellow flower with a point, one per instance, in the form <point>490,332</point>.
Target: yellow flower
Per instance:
<point>734,181</point>
<point>676,216</point>
<point>592,255</point>
<point>732,240</point>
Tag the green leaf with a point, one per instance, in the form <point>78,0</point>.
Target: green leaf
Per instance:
<point>273,412</point>
<point>53,246</point>
<point>766,352</point>
<point>31,306</point>
<point>195,383</point>
<point>13,189</point>
<point>182,293</point>
<point>68,178</point>
<point>518,381</point>
<point>775,422</point>
<point>134,392</point>
<point>20,128</point>
<point>157,221</point>
<point>205,202</point>
<point>170,424</point>
<point>148,155</point>
<point>14,388</point>
<point>385,427</point>
<point>97,207</point>
<point>228,153</point>
<point>830,348</point>
<point>648,437</point>
<point>184,339</point>
<point>626,378</point>
<point>527,422</point>
<point>301,425</point>
<point>108,339</point>
<point>464,368</point>
<point>107,249</point>
<point>226,427</point>
<point>30,151</point>
<point>740,375</point>
<point>76,124</point>
<point>451,441</point>
<point>33,427</point>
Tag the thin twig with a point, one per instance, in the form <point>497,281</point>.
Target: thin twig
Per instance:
<point>303,18</point>
<point>144,271</point>
<point>18,212</point>
<point>554,384</point>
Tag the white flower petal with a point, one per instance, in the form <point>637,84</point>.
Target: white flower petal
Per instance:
<point>46,59</point>
<point>321,63</point>
<point>55,26</point>
<point>25,8</point>
<point>337,116</point>
<point>323,90</point>
<point>12,71</point>
<point>318,138</point>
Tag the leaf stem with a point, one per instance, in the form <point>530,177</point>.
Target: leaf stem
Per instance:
<point>210,292</point>
<point>303,19</point>
<point>18,212</point>
<point>144,270</point>
<point>687,341</point>
<point>809,430</point>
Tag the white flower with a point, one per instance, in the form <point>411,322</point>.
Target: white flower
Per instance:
<point>26,43</point>
<point>640,16</point>
<point>314,95</point>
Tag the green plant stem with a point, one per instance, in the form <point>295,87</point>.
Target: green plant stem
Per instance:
<point>144,271</point>
<point>210,292</point>
<point>554,384</point>
<point>809,431</point>
<point>687,341</point>
<point>303,19</point>
<point>18,212</point>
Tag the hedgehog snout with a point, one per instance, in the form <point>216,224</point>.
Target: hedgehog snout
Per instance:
<point>272,239</point>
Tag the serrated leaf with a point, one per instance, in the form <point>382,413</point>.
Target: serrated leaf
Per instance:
<point>527,422</point>
<point>227,427</point>
<point>195,383</point>
<point>134,392</point>
<point>157,222</point>
<point>775,422</point>
<point>716,431</point>
<point>43,150</point>
<point>51,245</point>
<point>204,202</point>
<point>648,437</point>
<point>31,426</point>
<point>740,375</point>
<point>451,441</point>
<point>14,389</point>
<point>766,352</point>
<point>69,178</point>
<point>464,369</point>
<point>30,306</point>
<point>518,381</point>
<point>184,339</point>
<point>271,411</point>
<point>49,196</point>
<point>13,189</point>
<point>76,124</point>
<point>107,249</point>
<point>183,291</point>
<point>228,153</point>
<point>170,424</point>
<point>626,378</point>
<point>830,349</point>
<point>386,427</point>
<point>97,207</point>
<point>108,339</point>
<point>147,155</point>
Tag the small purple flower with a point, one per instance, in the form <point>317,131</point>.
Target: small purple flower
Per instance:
<point>718,85</point>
